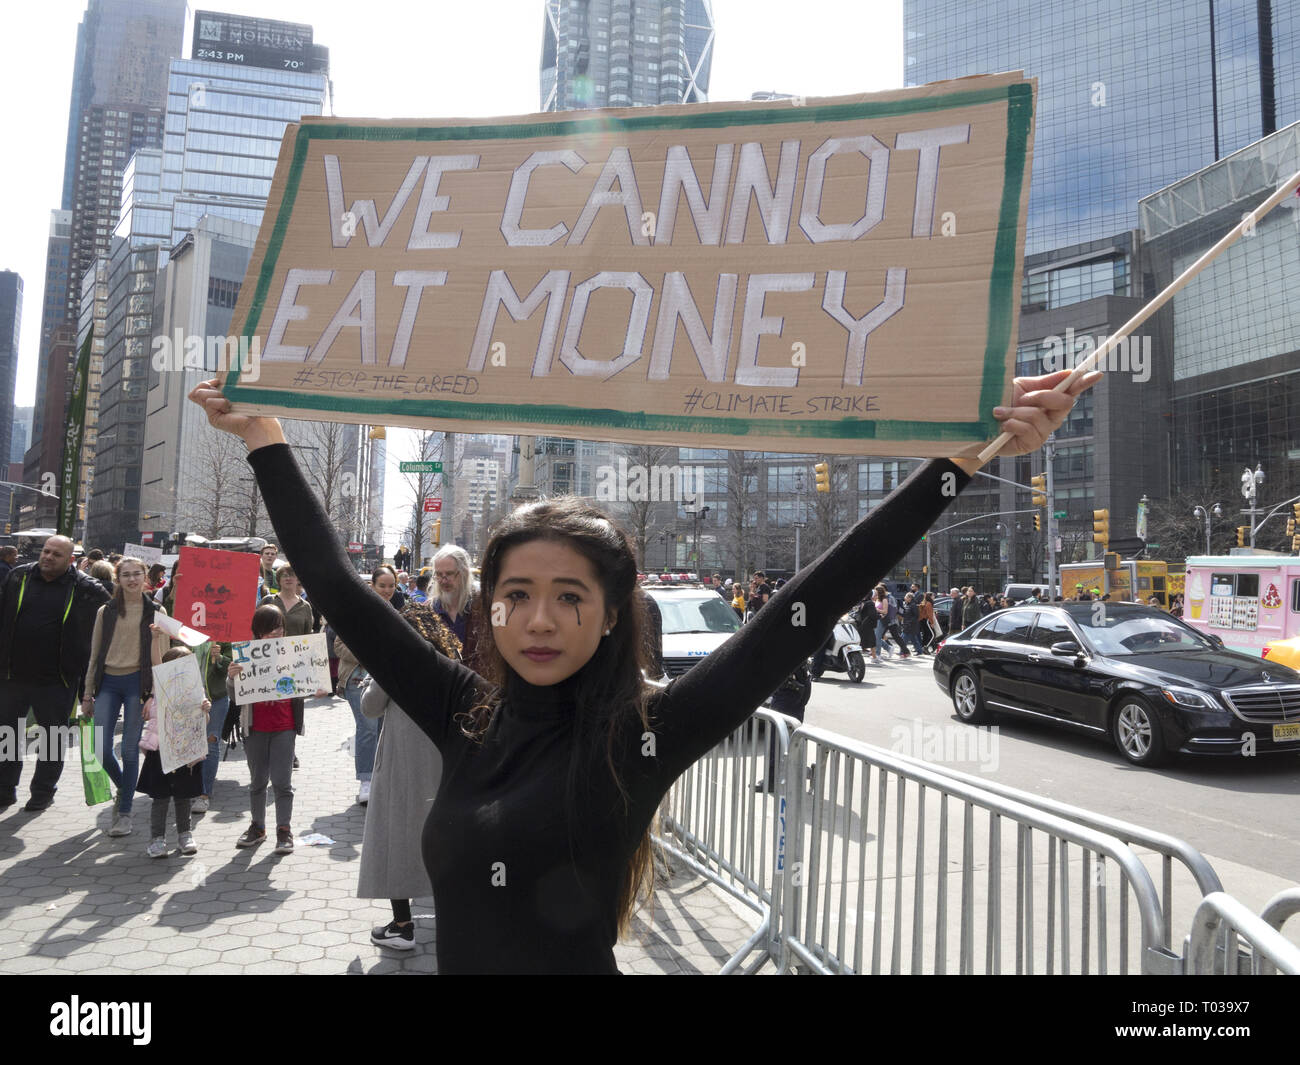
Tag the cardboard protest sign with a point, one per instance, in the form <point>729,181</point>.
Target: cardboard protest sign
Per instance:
<point>147,555</point>
<point>291,667</point>
<point>216,592</point>
<point>182,721</point>
<point>832,275</point>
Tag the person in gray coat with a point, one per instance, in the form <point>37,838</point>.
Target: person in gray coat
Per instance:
<point>407,771</point>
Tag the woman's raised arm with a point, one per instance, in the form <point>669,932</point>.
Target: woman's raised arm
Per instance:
<point>715,696</point>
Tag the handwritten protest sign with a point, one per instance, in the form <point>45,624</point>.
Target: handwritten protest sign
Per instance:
<point>291,667</point>
<point>216,592</point>
<point>182,721</point>
<point>147,555</point>
<point>833,275</point>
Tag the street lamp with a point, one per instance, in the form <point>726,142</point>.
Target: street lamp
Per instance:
<point>1201,512</point>
<point>1250,482</point>
<point>699,513</point>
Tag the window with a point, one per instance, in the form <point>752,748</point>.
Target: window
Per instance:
<point>1011,627</point>
<point>1051,629</point>
<point>1295,596</point>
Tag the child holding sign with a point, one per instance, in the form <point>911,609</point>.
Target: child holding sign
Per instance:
<point>181,786</point>
<point>270,731</point>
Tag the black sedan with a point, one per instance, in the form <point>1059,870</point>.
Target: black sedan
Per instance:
<point>1150,682</point>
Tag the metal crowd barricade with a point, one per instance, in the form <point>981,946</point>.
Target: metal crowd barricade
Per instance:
<point>1171,849</point>
<point>853,874</point>
<point>1227,938</point>
<point>914,925</point>
<point>714,821</point>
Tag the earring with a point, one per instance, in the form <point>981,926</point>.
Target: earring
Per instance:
<point>607,632</point>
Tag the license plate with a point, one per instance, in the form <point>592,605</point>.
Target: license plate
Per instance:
<point>1286,732</point>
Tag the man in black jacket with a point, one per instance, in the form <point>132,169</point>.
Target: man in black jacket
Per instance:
<point>47,615</point>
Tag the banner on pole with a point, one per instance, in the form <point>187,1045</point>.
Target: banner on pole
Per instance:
<point>832,275</point>
<point>74,433</point>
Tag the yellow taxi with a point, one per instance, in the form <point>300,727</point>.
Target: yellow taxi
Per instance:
<point>1284,652</point>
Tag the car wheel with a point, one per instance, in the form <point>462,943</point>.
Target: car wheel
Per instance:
<point>967,699</point>
<point>857,667</point>
<point>1136,731</point>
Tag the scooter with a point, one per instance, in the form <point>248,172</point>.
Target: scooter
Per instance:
<point>842,654</point>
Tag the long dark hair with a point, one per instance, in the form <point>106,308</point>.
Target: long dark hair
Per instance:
<point>611,693</point>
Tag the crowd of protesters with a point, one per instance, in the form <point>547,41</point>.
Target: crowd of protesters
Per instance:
<point>85,637</point>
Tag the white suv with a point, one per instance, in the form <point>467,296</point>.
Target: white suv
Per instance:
<point>696,621</point>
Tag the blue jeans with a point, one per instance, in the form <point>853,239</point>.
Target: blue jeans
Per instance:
<point>120,694</point>
<point>367,738</point>
<point>216,718</point>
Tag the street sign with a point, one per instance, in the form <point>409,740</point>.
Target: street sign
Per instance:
<point>355,548</point>
<point>1060,513</point>
<point>432,506</point>
<point>1153,545</point>
<point>420,467</point>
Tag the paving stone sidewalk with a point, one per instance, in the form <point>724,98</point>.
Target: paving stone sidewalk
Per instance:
<point>73,900</point>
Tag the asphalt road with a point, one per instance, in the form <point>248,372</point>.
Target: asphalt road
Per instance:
<point>1246,811</point>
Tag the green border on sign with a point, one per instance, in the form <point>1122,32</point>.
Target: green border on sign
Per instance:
<point>1019,99</point>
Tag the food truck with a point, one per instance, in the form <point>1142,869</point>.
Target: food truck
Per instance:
<point>1129,580</point>
<point>1245,600</point>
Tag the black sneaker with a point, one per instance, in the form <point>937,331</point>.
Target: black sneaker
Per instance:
<point>37,802</point>
<point>256,834</point>
<point>395,936</point>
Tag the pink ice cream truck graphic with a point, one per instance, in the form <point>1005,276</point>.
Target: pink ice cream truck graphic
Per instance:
<point>1245,600</point>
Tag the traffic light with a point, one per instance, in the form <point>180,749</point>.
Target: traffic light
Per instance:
<point>823,476</point>
<point>1038,523</point>
<point>1241,535</point>
<point>437,533</point>
<point>1040,490</point>
<point>1101,527</point>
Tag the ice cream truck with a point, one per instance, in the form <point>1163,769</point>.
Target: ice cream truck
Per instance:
<point>1245,600</point>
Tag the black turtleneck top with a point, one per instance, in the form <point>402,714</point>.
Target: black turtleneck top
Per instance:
<point>524,878</point>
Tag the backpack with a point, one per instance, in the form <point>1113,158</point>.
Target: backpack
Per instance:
<point>893,611</point>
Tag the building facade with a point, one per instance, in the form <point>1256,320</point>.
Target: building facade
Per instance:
<point>616,53</point>
<point>1131,99</point>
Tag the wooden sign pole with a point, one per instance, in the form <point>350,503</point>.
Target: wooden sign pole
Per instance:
<point>1246,224</point>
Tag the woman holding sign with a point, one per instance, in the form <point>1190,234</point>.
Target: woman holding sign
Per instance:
<point>556,759</point>
<point>123,652</point>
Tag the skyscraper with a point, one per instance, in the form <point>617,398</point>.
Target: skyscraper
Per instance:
<point>225,116</point>
<point>11,320</point>
<point>1132,98</point>
<point>618,53</point>
<point>119,84</point>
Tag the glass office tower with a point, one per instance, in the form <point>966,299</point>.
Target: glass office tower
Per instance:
<point>1131,97</point>
<point>618,53</point>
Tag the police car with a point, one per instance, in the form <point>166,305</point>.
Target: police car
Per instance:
<point>696,621</point>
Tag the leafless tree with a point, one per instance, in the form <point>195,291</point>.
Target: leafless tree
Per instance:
<point>217,503</point>
<point>739,487</point>
<point>643,518</point>
<point>328,454</point>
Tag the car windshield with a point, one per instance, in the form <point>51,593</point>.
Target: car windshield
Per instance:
<point>705,614</point>
<point>1136,634</point>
